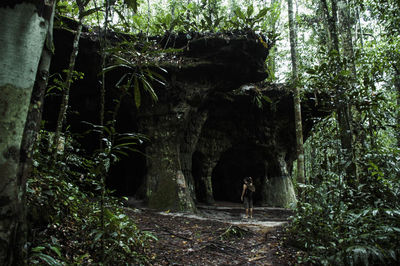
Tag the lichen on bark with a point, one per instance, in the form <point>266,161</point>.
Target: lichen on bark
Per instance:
<point>21,40</point>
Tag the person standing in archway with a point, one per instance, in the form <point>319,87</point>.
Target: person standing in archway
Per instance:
<point>247,196</point>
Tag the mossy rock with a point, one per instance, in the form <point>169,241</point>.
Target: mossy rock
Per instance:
<point>166,195</point>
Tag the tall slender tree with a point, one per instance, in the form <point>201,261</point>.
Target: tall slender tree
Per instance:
<point>388,12</point>
<point>272,22</point>
<point>22,37</point>
<point>397,85</point>
<point>347,35</point>
<point>296,94</point>
<point>342,106</point>
<point>69,77</point>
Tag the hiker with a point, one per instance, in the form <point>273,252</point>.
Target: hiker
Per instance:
<point>247,196</point>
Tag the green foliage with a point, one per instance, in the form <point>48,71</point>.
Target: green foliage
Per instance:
<point>338,224</point>
<point>206,16</point>
<point>140,68</point>
<point>59,83</point>
<point>176,16</point>
<point>258,98</point>
<point>69,8</point>
<point>248,20</point>
<point>65,213</point>
<point>132,4</point>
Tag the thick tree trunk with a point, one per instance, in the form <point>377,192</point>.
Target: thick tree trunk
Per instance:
<point>22,36</point>
<point>296,92</point>
<point>34,118</point>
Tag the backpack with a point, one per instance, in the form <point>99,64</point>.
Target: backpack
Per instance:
<point>251,187</point>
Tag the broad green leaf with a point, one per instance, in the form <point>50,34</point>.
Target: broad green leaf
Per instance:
<point>262,13</point>
<point>250,10</point>
<point>125,144</point>
<point>38,249</point>
<point>56,250</point>
<point>239,13</point>
<point>147,86</point>
<point>48,259</point>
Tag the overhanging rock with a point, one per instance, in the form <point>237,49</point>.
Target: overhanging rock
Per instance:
<point>209,65</point>
<point>207,131</point>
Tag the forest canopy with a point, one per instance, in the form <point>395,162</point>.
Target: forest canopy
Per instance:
<point>57,208</point>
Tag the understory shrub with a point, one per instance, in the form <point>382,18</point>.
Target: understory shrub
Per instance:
<point>65,215</point>
<point>342,225</point>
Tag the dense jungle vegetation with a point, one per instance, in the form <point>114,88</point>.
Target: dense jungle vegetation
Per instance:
<point>348,171</point>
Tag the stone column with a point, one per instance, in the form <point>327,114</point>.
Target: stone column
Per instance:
<point>166,185</point>
<point>190,132</point>
<point>206,180</point>
<point>280,190</point>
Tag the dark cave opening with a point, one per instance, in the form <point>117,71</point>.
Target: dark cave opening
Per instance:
<point>198,160</point>
<point>235,164</point>
<point>127,176</point>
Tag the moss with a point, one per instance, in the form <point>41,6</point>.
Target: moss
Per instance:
<point>281,192</point>
<point>166,195</point>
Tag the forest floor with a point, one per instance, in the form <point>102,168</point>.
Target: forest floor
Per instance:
<point>217,235</point>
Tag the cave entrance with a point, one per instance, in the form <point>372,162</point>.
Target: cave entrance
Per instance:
<point>235,164</point>
<point>127,176</point>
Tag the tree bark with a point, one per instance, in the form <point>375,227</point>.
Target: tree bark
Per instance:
<point>346,29</point>
<point>332,20</point>
<point>397,87</point>
<point>296,92</point>
<point>22,36</point>
<point>66,86</point>
<point>273,51</point>
<point>352,117</point>
<point>342,107</point>
<point>34,118</point>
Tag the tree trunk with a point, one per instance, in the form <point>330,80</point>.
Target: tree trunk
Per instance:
<point>332,20</point>
<point>66,87</point>
<point>34,117</point>
<point>346,29</point>
<point>22,36</point>
<point>353,120</point>
<point>359,30</point>
<point>273,51</point>
<point>342,107</point>
<point>296,92</point>
<point>103,45</point>
<point>397,87</point>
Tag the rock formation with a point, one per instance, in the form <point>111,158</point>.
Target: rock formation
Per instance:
<point>207,130</point>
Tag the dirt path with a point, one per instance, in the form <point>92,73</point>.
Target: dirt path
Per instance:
<point>217,235</point>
